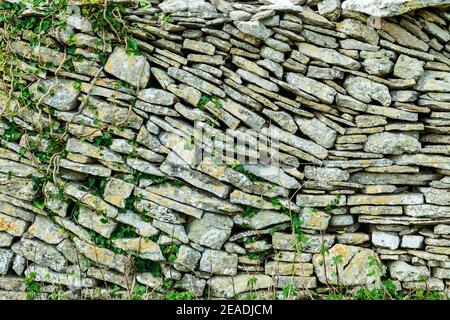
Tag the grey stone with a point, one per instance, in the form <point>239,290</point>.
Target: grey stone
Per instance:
<point>60,94</point>
<point>133,69</point>
<point>187,259</point>
<point>229,287</point>
<point>313,87</point>
<point>387,8</point>
<point>358,30</point>
<point>353,271</point>
<point>328,56</point>
<point>367,90</point>
<point>254,28</point>
<point>46,230</point>
<point>157,96</point>
<point>218,262</point>
<point>391,143</point>
<point>40,252</point>
<point>436,81</point>
<point>408,68</point>
<point>402,271</point>
<point>387,240</point>
<point>6,258</point>
<point>212,230</point>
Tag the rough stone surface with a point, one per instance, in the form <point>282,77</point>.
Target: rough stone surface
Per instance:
<point>391,143</point>
<point>387,8</point>
<point>133,69</point>
<point>232,149</point>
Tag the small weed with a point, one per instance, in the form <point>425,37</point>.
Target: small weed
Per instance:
<point>33,288</point>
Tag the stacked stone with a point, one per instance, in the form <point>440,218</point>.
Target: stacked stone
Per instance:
<point>361,112</point>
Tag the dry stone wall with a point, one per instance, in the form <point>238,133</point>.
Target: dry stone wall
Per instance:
<point>324,137</point>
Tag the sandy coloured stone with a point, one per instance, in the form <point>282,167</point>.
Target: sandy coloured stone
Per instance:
<point>380,188</point>
<point>85,148</point>
<point>97,222</point>
<point>255,79</point>
<point>252,119</point>
<point>20,188</point>
<point>353,238</point>
<point>17,169</point>
<point>92,169</point>
<point>157,96</point>
<point>378,63</point>
<point>295,141</point>
<point>5,239</point>
<point>176,167</point>
<point>13,226</point>
<point>46,230</point>
<point>312,244</point>
<point>143,247</point>
<point>90,200</point>
<point>102,256</point>
<point>117,191</point>
<point>314,219</point>
<point>358,30</point>
<point>69,251</point>
<point>325,174</point>
<point>412,241</point>
<point>149,280</point>
<point>283,119</point>
<point>274,268</point>
<point>374,178</point>
<point>376,210</point>
<point>6,259</point>
<point>199,46</point>
<point>193,197</point>
<point>192,284</point>
<point>433,161</point>
<point>194,81</point>
<point>353,269</point>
